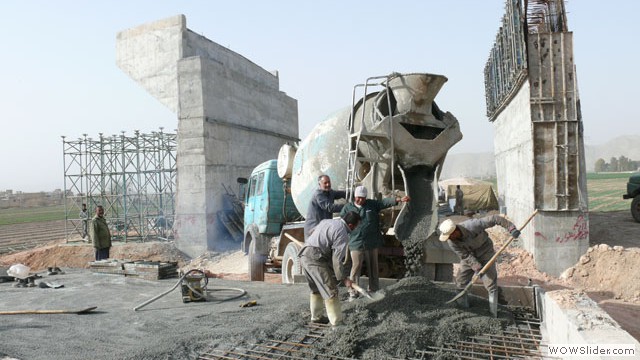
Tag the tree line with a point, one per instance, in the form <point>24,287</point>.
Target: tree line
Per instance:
<point>621,163</point>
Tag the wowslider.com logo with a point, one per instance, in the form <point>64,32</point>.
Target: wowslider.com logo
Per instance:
<point>599,350</point>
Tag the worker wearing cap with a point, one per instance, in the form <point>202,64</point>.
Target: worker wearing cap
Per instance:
<point>323,264</point>
<point>471,242</point>
<point>365,240</point>
<point>322,205</point>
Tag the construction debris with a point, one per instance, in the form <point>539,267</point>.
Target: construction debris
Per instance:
<point>148,270</point>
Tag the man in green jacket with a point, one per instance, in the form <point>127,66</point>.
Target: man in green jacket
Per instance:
<point>100,234</point>
<point>365,240</point>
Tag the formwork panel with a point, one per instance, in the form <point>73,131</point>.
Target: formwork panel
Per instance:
<point>555,121</point>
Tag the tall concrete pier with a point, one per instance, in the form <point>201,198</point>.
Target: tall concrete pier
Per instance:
<point>533,101</point>
<point>231,116</point>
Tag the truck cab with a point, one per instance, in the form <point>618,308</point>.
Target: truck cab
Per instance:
<point>268,206</point>
<point>633,192</point>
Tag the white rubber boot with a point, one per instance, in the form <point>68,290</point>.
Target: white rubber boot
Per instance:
<point>317,309</point>
<point>334,311</point>
<point>493,303</point>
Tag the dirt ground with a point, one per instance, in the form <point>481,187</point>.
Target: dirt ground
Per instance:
<point>607,273</point>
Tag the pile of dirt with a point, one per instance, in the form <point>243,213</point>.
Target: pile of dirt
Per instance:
<point>413,315</point>
<point>610,271</point>
<point>79,254</point>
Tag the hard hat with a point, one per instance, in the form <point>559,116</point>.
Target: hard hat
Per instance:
<point>446,229</point>
<point>361,191</point>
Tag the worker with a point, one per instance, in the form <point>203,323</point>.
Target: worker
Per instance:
<point>458,208</point>
<point>365,240</point>
<point>472,244</point>
<point>84,217</point>
<point>322,204</point>
<point>100,234</point>
<point>323,264</point>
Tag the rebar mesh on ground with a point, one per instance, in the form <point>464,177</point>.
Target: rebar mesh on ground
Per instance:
<point>296,346</point>
<point>519,341</point>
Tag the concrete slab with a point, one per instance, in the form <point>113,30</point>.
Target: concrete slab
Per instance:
<point>166,328</point>
<point>571,317</point>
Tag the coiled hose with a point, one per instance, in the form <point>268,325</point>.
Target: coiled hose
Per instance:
<point>242,292</point>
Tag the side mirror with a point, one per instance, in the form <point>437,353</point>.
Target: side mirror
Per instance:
<point>242,180</point>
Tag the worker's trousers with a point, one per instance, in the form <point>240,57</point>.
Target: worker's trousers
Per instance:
<point>319,272</point>
<point>489,279</point>
<point>370,258</point>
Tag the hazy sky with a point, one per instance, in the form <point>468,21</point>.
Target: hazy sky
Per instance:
<point>58,74</point>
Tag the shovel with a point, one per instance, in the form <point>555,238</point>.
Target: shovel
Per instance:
<point>493,259</point>
<point>375,296</point>
<point>21,312</point>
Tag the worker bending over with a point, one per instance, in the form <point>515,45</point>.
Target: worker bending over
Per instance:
<point>471,242</point>
<point>323,264</point>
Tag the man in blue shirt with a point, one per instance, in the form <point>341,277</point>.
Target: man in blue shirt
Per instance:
<point>322,204</point>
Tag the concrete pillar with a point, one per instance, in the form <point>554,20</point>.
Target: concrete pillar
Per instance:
<point>540,156</point>
<point>231,117</point>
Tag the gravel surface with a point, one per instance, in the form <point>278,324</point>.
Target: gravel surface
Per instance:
<point>164,329</point>
<point>412,315</point>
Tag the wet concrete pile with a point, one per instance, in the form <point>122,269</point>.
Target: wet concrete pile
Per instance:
<point>413,315</point>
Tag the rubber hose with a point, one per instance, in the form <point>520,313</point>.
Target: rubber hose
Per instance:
<point>242,291</point>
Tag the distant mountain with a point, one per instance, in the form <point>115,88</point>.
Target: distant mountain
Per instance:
<point>478,165</point>
<point>627,145</point>
<point>482,165</point>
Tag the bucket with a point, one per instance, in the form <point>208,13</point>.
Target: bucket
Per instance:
<point>19,271</point>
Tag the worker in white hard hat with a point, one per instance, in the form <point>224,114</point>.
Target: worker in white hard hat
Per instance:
<point>471,242</point>
<point>365,240</point>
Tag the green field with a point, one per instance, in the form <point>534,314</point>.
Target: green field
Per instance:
<point>28,215</point>
<point>605,191</point>
<point>605,194</point>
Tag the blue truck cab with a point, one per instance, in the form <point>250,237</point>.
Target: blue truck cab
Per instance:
<point>268,207</point>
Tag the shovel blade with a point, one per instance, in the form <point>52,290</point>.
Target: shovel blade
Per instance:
<point>461,293</point>
<point>375,296</point>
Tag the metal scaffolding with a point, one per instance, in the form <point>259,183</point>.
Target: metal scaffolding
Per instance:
<point>132,177</point>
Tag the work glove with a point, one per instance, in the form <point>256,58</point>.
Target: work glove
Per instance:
<point>515,233</point>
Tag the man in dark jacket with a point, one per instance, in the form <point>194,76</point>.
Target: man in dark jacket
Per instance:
<point>323,264</point>
<point>322,204</point>
<point>365,240</point>
<point>100,234</point>
<point>471,242</point>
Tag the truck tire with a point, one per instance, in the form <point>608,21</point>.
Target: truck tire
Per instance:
<point>256,262</point>
<point>291,263</point>
<point>635,208</point>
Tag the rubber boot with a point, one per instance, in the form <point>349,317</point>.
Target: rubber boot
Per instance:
<point>493,303</point>
<point>317,309</point>
<point>334,311</point>
<point>463,301</point>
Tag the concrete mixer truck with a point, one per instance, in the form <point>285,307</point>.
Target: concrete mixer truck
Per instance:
<point>393,139</point>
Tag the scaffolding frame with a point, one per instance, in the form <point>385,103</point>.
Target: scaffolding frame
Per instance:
<point>132,177</point>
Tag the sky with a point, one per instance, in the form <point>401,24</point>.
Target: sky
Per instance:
<point>58,73</point>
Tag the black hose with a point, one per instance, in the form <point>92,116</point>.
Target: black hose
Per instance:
<point>241,291</point>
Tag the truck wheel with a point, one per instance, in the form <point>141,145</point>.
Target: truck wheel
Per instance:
<point>256,262</point>
<point>291,263</point>
<point>635,208</point>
